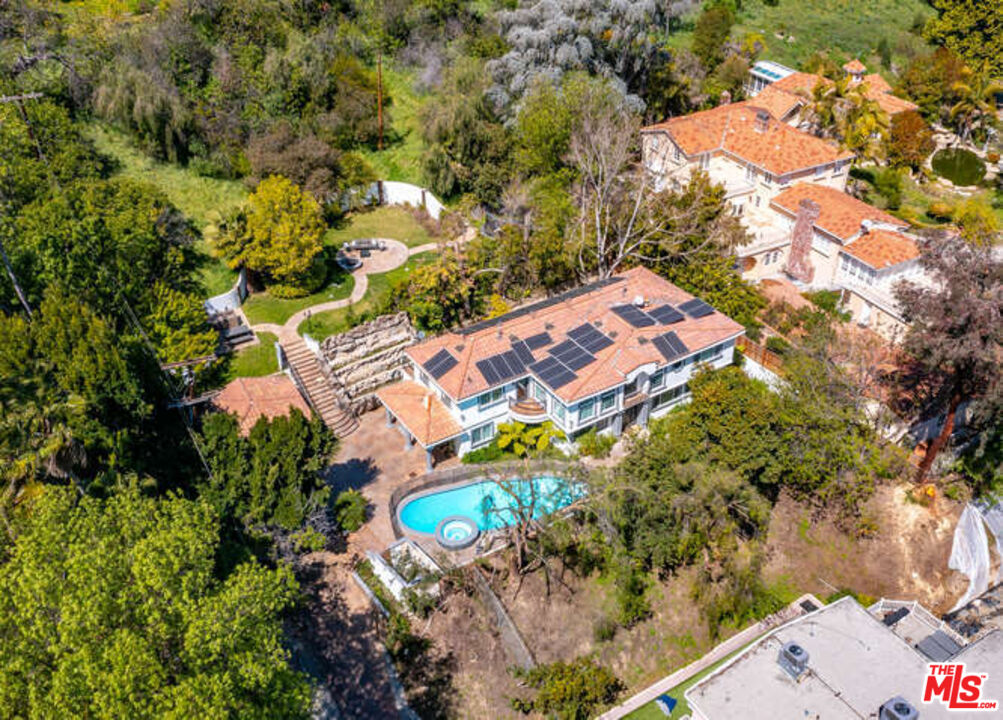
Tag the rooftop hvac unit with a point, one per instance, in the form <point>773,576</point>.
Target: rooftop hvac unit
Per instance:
<point>794,659</point>
<point>898,708</point>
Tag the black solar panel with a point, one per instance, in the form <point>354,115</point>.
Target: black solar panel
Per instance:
<point>535,342</point>
<point>633,315</point>
<point>522,350</point>
<point>571,354</point>
<point>589,337</point>
<point>696,308</point>
<point>439,364</point>
<point>488,372</point>
<point>552,373</point>
<point>670,346</point>
<point>666,315</point>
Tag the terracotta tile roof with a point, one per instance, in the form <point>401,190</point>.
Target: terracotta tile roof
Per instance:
<point>882,248</point>
<point>877,83</point>
<point>780,149</point>
<point>779,102</point>
<point>841,214</point>
<point>420,411</point>
<point>855,66</point>
<point>631,347</point>
<point>802,84</point>
<point>251,398</point>
<point>799,83</point>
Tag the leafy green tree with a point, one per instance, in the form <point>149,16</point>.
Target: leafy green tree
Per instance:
<point>177,325</point>
<point>970,29</point>
<point>350,510</point>
<point>112,609</point>
<point>437,296</point>
<point>975,109</point>
<point>711,32</point>
<point>910,140</point>
<point>570,691</point>
<point>929,81</point>
<point>271,478</point>
<point>526,439</point>
<point>281,235</point>
<point>732,592</point>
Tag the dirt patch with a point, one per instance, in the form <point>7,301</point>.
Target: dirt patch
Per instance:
<point>906,559</point>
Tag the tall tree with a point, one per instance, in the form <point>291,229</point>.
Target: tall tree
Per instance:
<point>974,30</point>
<point>976,105</point>
<point>113,609</point>
<point>954,345</point>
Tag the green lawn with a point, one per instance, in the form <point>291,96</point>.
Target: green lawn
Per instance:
<point>263,308</point>
<point>200,198</point>
<point>850,27</point>
<point>254,361</point>
<point>391,222</point>
<point>331,322</point>
<point>400,158</point>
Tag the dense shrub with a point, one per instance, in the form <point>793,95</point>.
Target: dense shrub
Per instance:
<point>570,691</point>
<point>350,510</point>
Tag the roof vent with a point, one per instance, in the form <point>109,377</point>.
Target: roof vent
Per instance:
<point>794,659</point>
<point>898,708</point>
<point>865,226</point>
<point>639,300</point>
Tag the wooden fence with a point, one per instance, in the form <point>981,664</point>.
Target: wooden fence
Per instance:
<point>767,358</point>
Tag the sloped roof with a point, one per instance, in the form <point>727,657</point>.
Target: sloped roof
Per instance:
<point>855,66</point>
<point>802,84</point>
<point>840,215</point>
<point>779,149</point>
<point>421,412</point>
<point>631,347</point>
<point>881,249</point>
<point>255,397</point>
<point>780,103</point>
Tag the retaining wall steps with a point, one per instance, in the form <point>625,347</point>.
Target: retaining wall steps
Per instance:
<point>322,397</point>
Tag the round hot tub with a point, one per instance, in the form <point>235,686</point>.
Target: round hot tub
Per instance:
<point>456,532</point>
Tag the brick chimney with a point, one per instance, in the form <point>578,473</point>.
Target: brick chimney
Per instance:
<point>799,264</point>
<point>725,98</point>
<point>762,121</point>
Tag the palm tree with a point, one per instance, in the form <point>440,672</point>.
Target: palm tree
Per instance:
<point>843,110</point>
<point>525,438</point>
<point>977,104</point>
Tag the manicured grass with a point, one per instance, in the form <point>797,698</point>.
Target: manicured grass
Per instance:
<point>263,308</point>
<point>395,223</point>
<point>400,158</point>
<point>331,322</point>
<point>256,360</point>
<point>201,199</point>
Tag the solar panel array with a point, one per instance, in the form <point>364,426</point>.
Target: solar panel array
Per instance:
<point>572,355</point>
<point>589,337</point>
<point>535,342</point>
<point>522,350</point>
<point>440,363</point>
<point>552,372</point>
<point>666,315</point>
<point>499,368</point>
<point>696,308</point>
<point>670,346</point>
<point>633,315</point>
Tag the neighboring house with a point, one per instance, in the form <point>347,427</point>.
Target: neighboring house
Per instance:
<point>845,661</point>
<point>605,356</point>
<point>252,398</point>
<point>789,90</point>
<point>745,149</point>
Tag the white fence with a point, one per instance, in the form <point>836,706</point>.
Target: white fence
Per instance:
<point>402,193</point>
<point>231,299</point>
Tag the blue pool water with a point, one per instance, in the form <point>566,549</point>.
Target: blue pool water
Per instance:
<point>487,504</point>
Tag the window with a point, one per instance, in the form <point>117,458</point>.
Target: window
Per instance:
<point>607,401</point>
<point>657,379</point>
<point>671,395</point>
<point>767,179</point>
<point>750,173</point>
<point>559,411</point>
<point>445,399</point>
<point>586,410</point>
<point>705,161</point>
<point>489,398</point>
<point>481,435</point>
<point>757,200</point>
<point>820,171</point>
<point>838,169</point>
<point>540,393</point>
<point>424,378</point>
<point>678,154</point>
<point>630,388</point>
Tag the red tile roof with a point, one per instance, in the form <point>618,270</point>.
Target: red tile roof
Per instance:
<point>631,347</point>
<point>420,411</point>
<point>855,66</point>
<point>779,102</point>
<point>255,397</point>
<point>841,215</point>
<point>801,85</point>
<point>780,149</point>
<point>883,248</point>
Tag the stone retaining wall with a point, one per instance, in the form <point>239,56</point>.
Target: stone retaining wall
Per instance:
<point>368,357</point>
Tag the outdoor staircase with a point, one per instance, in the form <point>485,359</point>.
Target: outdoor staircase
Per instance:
<point>319,389</point>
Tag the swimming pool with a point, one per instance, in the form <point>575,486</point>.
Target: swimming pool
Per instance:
<point>487,504</point>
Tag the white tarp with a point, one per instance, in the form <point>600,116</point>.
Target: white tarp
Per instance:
<point>993,517</point>
<point>970,554</point>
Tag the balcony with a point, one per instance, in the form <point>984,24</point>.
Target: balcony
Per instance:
<point>527,411</point>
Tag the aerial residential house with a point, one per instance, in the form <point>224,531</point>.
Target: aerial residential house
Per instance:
<point>784,92</point>
<point>847,662</point>
<point>745,149</point>
<point>605,356</point>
